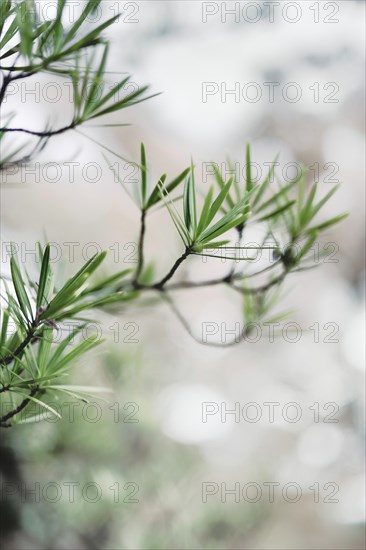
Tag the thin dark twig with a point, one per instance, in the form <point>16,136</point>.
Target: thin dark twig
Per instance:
<point>140,261</point>
<point>228,279</point>
<point>45,134</point>
<point>5,84</point>
<point>7,80</point>
<point>240,230</point>
<point>169,275</point>
<point>27,340</point>
<point>4,419</point>
<point>187,327</point>
<point>22,76</point>
<point>261,289</point>
<point>264,270</point>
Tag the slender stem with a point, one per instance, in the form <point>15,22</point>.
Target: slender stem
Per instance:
<point>7,359</point>
<point>240,229</point>
<point>9,78</point>
<point>263,288</point>
<point>188,329</point>
<point>49,133</point>
<point>140,261</point>
<point>21,76</point>
<point>4,419</point>
<point>169,275</point>
<point>5,84</point>
<point>29,70</point>
<point>228,279</point>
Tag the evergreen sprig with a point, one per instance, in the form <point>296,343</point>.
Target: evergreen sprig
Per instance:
<point>77,51</point>
<point>210,222</point>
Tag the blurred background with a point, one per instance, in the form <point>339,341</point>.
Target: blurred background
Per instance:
<point>140,463</point>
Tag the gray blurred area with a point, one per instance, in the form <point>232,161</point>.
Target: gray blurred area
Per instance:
<point>293,88</point>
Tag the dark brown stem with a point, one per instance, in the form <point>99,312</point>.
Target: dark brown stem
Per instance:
<point>140,261</point>
<point>228,279</point>
<point>7,359</point>
<point>4,419</point>
<point>45,134</point>
<point>168,276</point>
<point>261,289</point>
<point>5,84</point>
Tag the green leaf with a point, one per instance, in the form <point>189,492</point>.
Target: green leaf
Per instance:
<point>301,195</point>
<point>113,92</point>
<point>89,39</point>
<point>74,354</point>
<point>248,307</point>
<point>222,227</point>
<point>305,214</point>
<point>44,350</point>
<point>20,288</point>
<point>263,186</point>
<point>117,297</point>
<point>74,287</point>
<point>89,8</point>
<point>204,218</point>
<point>248,168</point>
<point>79,392</point>
<point>224,193</point>
<point>236,184</point>
<point>11,31</point>
<point>307,246</point>
<point>155,195</point>
<point>61,347</point>
<point>328,223</point>
<point>15,310</point>
<point>323,201</point>
<point>216,244</point>
<point>107,283</point>
<point>40,403</point>
<point>279,317</point>
<point>44,275</point>
<point>4,326</point>
<point>233,218</point>
<point>27,26</point>
<point>25,383</point>
<point>143,176</point>
<point>177,220</point>
<point>91,102</point>
<point>278,211</point>
<point>189,204</point>
<point>282,192</point>
<point>6,11</point>
<point>220,181</point>
<point>127,101</point>
<point>225,257</point>
<point>169,187</point>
